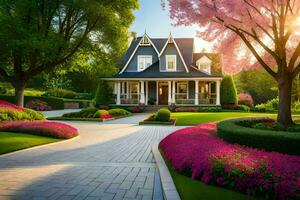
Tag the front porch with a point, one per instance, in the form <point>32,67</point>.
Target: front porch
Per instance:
<point>166,92</point>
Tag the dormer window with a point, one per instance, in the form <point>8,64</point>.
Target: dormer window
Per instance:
<point>170,62</point>
<point>204,64</point>
<point>144,61</point>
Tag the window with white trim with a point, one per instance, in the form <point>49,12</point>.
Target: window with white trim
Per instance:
<point>170,62</point>
<point>144,62</point>
<point>204,67</point>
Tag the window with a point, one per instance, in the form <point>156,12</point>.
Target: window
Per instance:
<point>144,62</point>
<point>182,90</point>
<point>204,67</point>
<point>170,62</point>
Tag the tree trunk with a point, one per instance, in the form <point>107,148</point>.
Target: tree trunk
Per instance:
<point>19,94</point>
<point>285,100</point>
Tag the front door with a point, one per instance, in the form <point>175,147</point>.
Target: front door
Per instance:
<point>163,94</point>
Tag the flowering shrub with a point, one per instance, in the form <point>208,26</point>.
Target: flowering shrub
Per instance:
<point>136,109</point>
<point>39,105</point>
<point>106,116</point>
<point>42,128</point>
<point>213,161</point>
<point>186,109</point>
<point>245,99</point>
<point>11,112</point>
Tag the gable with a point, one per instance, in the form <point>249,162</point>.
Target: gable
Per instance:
<point>170,49</point>
<point>142,50</point>
<point>215,58</point>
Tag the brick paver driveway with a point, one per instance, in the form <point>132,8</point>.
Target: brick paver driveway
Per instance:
<point>108,161</point>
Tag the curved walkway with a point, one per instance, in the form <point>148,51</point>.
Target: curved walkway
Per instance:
<point>110,160</point>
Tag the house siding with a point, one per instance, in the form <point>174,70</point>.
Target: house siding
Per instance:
<point>171,50</point>
<point>132,66</point>
<point>191,89</point>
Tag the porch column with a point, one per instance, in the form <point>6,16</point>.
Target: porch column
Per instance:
<point>118,93</point>
<point>173,92</point>
<point>146,100</point>
<point>115,87</point>
<point>127,90</point>
<point>157,91</point>
<point>142,100</point>
<point>169,92</point>
<point>196,92</point>
<point>218,92</point>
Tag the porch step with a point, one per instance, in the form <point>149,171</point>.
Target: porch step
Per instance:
<point>154,108</point>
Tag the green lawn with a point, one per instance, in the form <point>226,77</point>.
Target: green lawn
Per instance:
<point>190,189</point>
<point>194,118</point>
<point>10,142</point>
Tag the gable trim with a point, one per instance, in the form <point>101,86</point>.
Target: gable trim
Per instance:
<point>136,48</point>
<point>165,46</point>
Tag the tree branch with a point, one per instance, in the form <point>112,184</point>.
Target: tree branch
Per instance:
<point>294,57</point>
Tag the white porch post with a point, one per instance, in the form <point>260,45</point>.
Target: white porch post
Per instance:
<point>218,93</point>
<point>142,100</point>
<point>157,90</point>
<point>146,100</point>
<point>169,92</point>
<point>115,87</point>
<point>196,92</point>
<point>173,92</point>
<point>127,90</point>
<point>118,93</point>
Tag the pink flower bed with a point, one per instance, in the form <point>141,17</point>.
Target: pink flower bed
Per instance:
<point>7,105</point>
<point>39,105</point>
<point>42,128</point>
<point>245,99</point>
<point>205,157</point>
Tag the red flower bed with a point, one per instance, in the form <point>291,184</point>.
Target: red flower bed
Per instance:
<point>39,105</point>
<point>106,116</point>
<point>186,109</point>
<point>7,105</point>
<point>42,128</point>
<point>230,106</point>
<point>204,156</point>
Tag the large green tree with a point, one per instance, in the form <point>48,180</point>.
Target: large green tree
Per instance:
<point>40,35</point>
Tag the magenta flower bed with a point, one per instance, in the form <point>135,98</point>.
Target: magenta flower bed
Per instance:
<point>7,105</point>
<point>186,109</point>
<point>42,128</point>
<point>196,151</point>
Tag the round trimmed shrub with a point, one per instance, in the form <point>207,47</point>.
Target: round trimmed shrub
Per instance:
<point>228,91</point>
<point>163,115</point>
<point>245,99</point>
<point>118,112</point>
<point>236,131</point>
<point>100,112</point>
<point>83,113</point>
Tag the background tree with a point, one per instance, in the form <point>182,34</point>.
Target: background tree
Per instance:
<point>37,36</point>
<point>267,28</point>
<point>251,81</point>
<point>104,94</point>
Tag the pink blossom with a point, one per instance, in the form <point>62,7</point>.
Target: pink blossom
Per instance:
<point>5,104</point>
<point>245,99</point>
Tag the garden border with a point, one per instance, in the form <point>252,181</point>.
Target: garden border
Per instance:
<point>169,189</point>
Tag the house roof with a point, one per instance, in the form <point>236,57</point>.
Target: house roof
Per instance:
<point>153,72</point>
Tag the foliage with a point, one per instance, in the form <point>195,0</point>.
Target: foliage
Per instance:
<point>11,112</point>
<point>151,101</point>
<point>257,83</point>
<point>56,81</point>
<point>74,119</point>
<point>106,116</point>
<point>240,131</point>
<point>10,142</point>
<point>213,161</point>
<point>55,32</point>
<point>37,104</point>
<point>99,113</point>
<point>186,109</point>
<point>42,128</point>
<point>210,109</point>
<point>118,112</point>
<point>245,99</point>
<point>53,102</point>
<point>228,91</point>
<point>270,105</point>
<point>172,107</point>
<point>163,115</point>
<point>60,93</point>
<point>104,95</point>
<point>83,113</point>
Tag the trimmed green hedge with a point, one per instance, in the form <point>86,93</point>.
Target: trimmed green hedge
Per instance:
<point>228,91</point>
<point>55,103</point>
<point>280,141</point>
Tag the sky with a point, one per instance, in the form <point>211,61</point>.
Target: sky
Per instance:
<point>156,22</point>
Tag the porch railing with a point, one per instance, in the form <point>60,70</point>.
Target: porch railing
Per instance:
<point>131,98</point>
<point>203,98</point>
